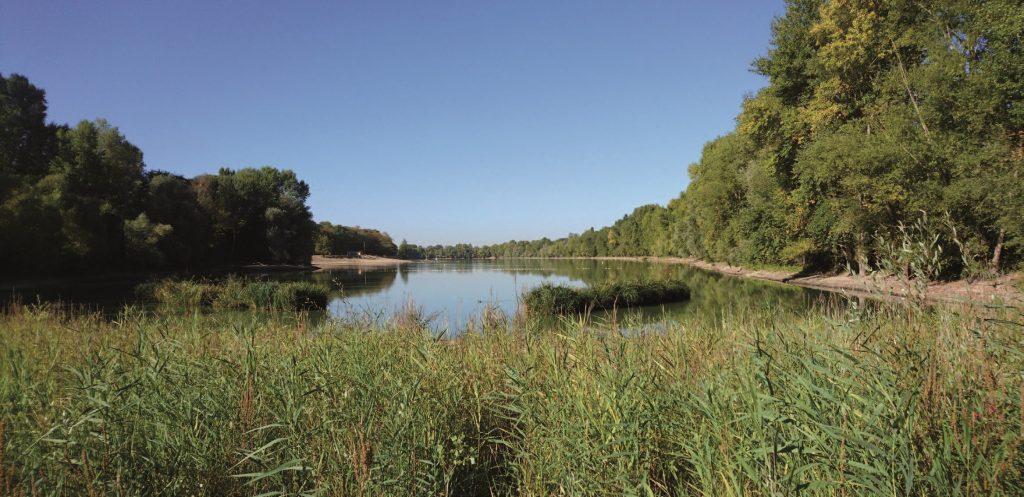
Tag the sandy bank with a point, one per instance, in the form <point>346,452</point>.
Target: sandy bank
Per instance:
<point>321,262</point>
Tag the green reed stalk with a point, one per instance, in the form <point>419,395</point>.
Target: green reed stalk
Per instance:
<point>848,401</point>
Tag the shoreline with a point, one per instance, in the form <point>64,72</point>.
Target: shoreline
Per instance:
<point>318,263</point>
<point>959,291</point>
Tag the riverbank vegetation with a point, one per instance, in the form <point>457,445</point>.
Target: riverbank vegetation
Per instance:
<point>548,299</point>
<point>851,401</point>
<point>874,112</point>
<point>235,293</point>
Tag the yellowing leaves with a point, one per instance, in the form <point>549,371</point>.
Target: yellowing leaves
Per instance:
<point>848,35</point>
<point>825,109</point>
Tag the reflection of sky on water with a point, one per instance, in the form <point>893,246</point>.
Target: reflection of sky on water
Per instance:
<point>452,293</point>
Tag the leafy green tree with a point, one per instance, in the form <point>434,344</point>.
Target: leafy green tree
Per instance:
<point>334,239</point>
<point>142,239</point>
<point>27,142</point>
<point>29,215</point>
<point>171,200</point>
<point>257,215</point>
<point>97,176</point>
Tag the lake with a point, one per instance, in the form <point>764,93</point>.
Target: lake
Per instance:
<point>453,294</point>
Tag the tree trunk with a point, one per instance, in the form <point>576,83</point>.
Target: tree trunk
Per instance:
<point>849,255</point>
<point>997,252</point>
<point>862,259</point>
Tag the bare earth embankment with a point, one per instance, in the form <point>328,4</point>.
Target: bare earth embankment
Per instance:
<point>1000,289</point>
<point>321,262</point>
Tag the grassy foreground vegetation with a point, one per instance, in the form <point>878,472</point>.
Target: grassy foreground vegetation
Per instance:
<point>236,293</point>
<point>548,299</point>
<point>855,401</point>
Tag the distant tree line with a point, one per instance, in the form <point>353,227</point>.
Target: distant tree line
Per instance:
<point>79,198</point>
<point>644,232</point>
<point>458,251</point>
<point>332,239</point>
<point>877,112</point>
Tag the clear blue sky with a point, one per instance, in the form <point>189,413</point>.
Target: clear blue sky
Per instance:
<point>436,121</point>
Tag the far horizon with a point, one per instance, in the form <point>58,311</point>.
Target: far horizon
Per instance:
<point>470,123</point>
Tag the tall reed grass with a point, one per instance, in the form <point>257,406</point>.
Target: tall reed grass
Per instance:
<point>236,293</point>
<point>851,401</point>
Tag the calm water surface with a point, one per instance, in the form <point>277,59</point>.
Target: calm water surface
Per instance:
<point>455,293</point>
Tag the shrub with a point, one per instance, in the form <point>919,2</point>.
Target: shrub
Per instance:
<point>302,295</point>
<point>549,299</point>
<point>236,293</point>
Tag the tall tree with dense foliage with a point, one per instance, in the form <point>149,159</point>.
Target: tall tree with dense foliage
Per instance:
<point>257,215</point>
<point>29,218</point>
<point>80,198</point>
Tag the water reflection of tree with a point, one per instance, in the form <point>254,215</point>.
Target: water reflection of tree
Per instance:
<point>716,294</point>
<point>358,281</point>
<point>590,272</point>
<point>711,292</point>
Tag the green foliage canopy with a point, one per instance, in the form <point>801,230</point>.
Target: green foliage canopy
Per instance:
<point>80,198</point>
